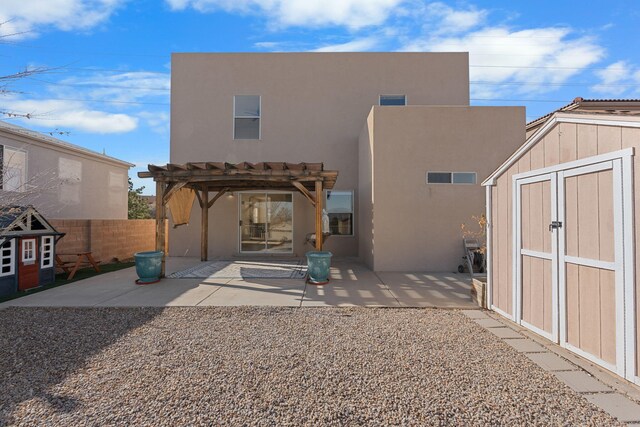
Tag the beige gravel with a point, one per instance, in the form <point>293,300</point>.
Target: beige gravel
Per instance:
<point>270,366</point>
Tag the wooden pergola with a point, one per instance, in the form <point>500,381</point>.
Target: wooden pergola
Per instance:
<point>220,178</point>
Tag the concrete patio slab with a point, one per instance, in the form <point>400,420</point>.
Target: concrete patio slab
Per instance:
<point>551,362</point>
<point>350,285</point>
<point>444,290</point>
<point>581,382</point>
<point>272,292</point>
<point>83,293</point>
<point>166,293</point>
<point>525,346</point>
<point>617,405</point>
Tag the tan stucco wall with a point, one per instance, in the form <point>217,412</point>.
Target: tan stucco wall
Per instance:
<point>98,189</point>
<point>365,193</point>
<point>417,225</point>
<point>313,108</point>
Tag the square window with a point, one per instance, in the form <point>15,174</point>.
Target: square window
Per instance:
<point>393,100</point>
<point>464,178</point>
<point>438,177</point>
<point>340,210</point>
<point>246,117</point>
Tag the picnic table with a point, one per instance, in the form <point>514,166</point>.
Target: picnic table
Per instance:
<point>71,267</point>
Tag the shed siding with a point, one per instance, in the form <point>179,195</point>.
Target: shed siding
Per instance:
<point>566,142</point>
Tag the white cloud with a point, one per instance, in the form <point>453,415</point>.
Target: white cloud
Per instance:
<point>353,14</point>
<point>158,121</point>
<point>25,18</point>
<point>359,45</point>
<point>614,78</point>
<point>451,21</point>
<point>121,87</point>
<point>542,57</point>
<point>71,115</point>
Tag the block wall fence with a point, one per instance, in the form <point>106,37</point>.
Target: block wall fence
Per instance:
<point>108,240</point>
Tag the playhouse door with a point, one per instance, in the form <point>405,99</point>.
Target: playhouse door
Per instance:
<point>28,264</point>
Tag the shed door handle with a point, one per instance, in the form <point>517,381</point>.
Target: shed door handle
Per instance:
<point>555,224</point>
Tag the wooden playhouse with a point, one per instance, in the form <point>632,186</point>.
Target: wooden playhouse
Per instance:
<point>27,249</point>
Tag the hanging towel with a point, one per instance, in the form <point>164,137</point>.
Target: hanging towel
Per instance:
<point>180,205</point>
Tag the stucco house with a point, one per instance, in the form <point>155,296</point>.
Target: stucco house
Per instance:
<point>563,233</point>
<point>397,130</point>
<point>61,180</point>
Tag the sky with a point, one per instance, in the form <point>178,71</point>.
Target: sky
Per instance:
<point>108,62</point>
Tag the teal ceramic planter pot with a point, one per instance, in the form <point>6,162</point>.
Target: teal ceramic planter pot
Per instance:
<point>148,266</point>
<point>319,266</point>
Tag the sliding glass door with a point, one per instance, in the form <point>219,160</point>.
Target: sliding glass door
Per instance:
<point>266,222</point>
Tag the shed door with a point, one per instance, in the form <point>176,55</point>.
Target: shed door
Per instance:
<point>590,263</point>
<point>536,296</point>
<point>28,263</point>
<point>569,262</point>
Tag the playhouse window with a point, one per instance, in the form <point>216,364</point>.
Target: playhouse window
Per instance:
<point>28,250</point>
<point>6,258</point>
<point>47,252</point>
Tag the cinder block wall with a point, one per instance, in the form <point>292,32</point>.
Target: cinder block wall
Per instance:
<point>106,239</point>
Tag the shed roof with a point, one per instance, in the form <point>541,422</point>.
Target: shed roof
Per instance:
<point>562,117</point>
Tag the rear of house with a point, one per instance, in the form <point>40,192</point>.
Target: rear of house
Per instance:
<point>385,121</point>
<point>562,240</point>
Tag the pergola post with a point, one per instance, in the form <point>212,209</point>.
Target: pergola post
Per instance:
<point>160,223</point>
<point>319,236</point>
<point>204,237</point>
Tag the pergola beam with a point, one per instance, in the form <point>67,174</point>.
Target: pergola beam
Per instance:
<point>172,188</point>
<point>319,236</point>
<point>306,193</point>
<point>204,236</point>
<point>160,217</point>
<point>217,196</point>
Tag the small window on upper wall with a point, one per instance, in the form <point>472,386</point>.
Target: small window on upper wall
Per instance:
<point>451,178</point>
<point>14,169</point>
<point>246,117</point>
<point>393,100</point>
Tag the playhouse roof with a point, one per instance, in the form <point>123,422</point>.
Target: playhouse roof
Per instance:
<point>23,220</point>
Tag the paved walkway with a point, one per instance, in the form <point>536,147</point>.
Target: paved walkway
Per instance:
<point>352,284</point>
<point>596,385</point>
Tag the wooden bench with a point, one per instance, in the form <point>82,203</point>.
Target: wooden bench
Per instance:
<point>71,267</point>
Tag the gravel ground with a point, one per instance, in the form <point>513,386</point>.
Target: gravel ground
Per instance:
<point>270,366</point>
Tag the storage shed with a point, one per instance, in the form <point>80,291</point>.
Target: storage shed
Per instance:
<point>27,249</point>
<point>561,238</point>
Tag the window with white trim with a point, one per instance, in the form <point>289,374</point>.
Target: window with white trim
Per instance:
<point>46,260</point>
<point>28,250</point>
<point>7,265</point>
<point>14,168</point>
<point>246,117</point>
<point>339,205</point>
<point>393,100</point>
<point>451,178</point>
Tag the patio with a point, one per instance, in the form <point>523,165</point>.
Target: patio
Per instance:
<point>259,282</point>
